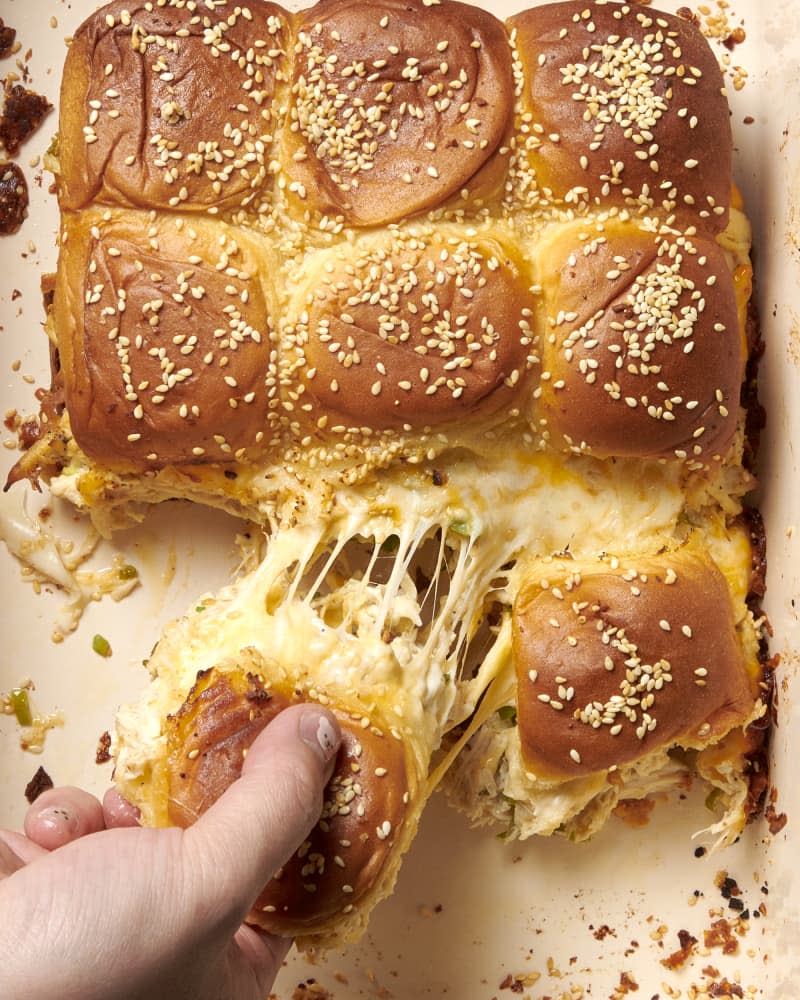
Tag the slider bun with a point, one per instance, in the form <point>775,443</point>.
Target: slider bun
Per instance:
<point>643,355</point>
<point>405,331</point>
<point>396,105</point>
<point>171,106</point>
<point>613,662</point>
<point>350,857</point>
<point>622,106</point>
<point>164,339</point>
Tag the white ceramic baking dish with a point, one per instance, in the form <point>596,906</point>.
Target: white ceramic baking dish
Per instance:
<point>473,917</point>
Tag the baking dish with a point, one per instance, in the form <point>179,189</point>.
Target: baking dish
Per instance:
<point>472,916</point>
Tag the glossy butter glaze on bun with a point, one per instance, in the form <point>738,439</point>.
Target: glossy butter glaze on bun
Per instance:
<point>625,106</point>
<point>350,855</point>
<point>644,355</point>
<point>613,661</point>
<point>172,106</point>
<point>395,94</point>
<point>622,678</point>
<point>413,331</point>
<point>165,339</point>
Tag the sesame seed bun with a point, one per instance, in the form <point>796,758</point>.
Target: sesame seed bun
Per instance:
<point>622,106</point>
<point>411,330</point>
<point>171,106</point>
<point>350,858</point>
<point>164,339</point>
<point>395,95</point>
<point>614,659</point>
<point>643,354</point>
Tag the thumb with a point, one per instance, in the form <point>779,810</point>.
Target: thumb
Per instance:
<point>261,819</point>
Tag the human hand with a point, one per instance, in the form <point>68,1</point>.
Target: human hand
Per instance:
<point>95,907</point>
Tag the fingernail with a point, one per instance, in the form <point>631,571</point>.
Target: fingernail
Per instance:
<point>317,730</point>
<point>58,818</point>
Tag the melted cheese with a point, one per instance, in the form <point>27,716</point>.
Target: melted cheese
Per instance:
<point>335,602</point>
<point>46,556</point>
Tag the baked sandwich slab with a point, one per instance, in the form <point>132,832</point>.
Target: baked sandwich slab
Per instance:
<point>457,312</point>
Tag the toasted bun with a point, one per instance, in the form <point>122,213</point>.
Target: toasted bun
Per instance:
<point>171,106</point>
<point>622,106</point>
<point>411,331</point>
<point>164,338</point>
<point>351,854</point>
<point>613,661</point>
<point>644,356</point>
<point>395,95</point>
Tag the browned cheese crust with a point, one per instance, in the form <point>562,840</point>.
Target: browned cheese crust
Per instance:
<point>395,107</point>
<point>171,107</point>
<point>165,340</point>
<point>616,661</point>
<point>614,97</point>
<point>365,803</point>
<point>643,353</point>
<point>410,331</point>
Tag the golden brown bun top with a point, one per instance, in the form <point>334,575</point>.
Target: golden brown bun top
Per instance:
<point>364,808</point>
<point>395,105</point>
<point>614,661</point>
<point>370,112</point>
<point>643,354</point>
<point>171,106</point>
<point>295,128</point>
<point>409,331</point>
<point>164,336</point>
<point>623,105</point>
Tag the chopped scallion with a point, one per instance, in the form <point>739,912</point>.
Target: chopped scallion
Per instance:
<point>101,645</point>
<point>460,528</point>
<point>22,706</point>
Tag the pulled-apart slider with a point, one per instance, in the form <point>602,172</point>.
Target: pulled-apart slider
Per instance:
<point>350,858</point>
